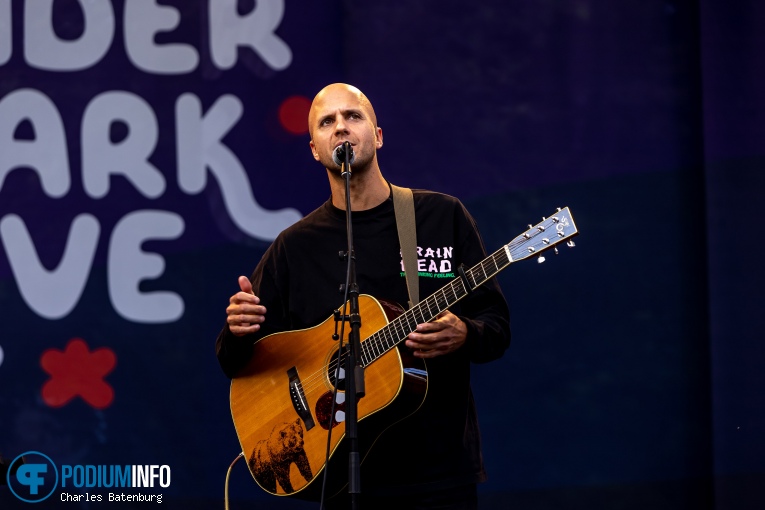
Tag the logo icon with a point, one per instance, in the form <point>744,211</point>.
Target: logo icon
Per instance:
<point>36,477</point>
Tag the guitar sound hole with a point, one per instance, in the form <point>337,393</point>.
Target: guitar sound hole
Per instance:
<point>332,369</point>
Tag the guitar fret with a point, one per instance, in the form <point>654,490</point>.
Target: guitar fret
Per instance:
<point>411,321</point>
<point>476,276</point>
<point>430,310</point>
<point>389,337</point>
<point>399,328</point>
<point>369,350</point>
<point>373,348</point>
<point>494,260</point>
<point>433,301</point>
<point>445,295</point>
<point>480,274</point>
<point>437,301</point>
<point>459,286</point>
<point>365,350</point>
<point>442,304</point>
<point>454,294</point>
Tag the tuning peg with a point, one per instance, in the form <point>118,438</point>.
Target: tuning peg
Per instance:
<point>570,243</point>
<point>556,250</point>
<point>540,259</point>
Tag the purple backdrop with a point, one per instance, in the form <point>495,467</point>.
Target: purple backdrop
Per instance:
<point>150,150</point>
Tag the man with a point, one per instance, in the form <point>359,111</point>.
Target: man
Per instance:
<point>431,459</point>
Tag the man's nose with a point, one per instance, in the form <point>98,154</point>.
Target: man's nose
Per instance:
<point>340,126</point>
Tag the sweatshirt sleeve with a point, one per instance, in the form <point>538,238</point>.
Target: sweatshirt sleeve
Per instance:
<point>484,311</point>
<point>234,352</point>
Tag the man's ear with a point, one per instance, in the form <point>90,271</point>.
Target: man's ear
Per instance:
<point>378,137</point>
<point>313,150</point>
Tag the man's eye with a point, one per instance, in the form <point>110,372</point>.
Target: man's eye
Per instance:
<point>325,122</point>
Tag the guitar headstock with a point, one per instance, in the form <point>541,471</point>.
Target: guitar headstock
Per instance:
<point>544,235</point>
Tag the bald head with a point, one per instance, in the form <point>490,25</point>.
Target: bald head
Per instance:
<point>338,92</point>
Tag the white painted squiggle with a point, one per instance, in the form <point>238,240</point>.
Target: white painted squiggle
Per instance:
<point>200,147</point>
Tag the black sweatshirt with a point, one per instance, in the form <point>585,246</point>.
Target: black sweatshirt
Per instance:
<point>298,279</point>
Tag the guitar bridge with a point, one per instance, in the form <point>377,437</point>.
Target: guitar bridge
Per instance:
<point>297,396</point>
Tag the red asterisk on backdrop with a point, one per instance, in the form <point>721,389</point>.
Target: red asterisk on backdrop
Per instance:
<point>78,371</point>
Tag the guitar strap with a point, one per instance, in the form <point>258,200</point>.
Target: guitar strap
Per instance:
<point>403,205</point>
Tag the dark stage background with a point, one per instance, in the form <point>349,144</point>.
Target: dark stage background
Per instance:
<point>150,150</point>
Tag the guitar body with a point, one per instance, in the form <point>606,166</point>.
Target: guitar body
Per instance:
<point>281,403</point>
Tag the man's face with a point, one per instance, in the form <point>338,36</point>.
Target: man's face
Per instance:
<point>339,114</point>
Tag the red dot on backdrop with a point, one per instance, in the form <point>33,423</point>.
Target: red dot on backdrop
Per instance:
<point>293,114</point>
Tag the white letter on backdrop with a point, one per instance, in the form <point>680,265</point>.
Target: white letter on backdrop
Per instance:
<point>46,153</point>
<point>143,20</point>
<point>51,294</point>
<point>228,31</point>
<point>129,156</point>
<point>43,49</point>
<point>5,31</point>
<point>129,265</point>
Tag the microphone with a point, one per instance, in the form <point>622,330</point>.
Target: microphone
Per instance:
<point>338,156</point>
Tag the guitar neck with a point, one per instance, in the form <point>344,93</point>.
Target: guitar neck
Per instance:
<point>426,310</point>
<point>535,240</point>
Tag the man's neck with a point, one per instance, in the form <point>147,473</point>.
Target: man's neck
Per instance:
<point>368,189</point>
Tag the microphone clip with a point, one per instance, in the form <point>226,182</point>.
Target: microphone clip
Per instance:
<point>343,155</point>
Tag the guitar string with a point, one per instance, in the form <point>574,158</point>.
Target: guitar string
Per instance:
<point>373,342</point>
<point>370,344</point>
<point>376,345</point>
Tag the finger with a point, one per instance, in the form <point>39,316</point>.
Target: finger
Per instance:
<point>244,329</point>
<point>244,297</point>
<point>244,322</point>
<point>245,309</point>
<point>245,285</point>
<point>426,336</point>
<point>430,327</point>
<point>427,353</point>
<point>417,345</point>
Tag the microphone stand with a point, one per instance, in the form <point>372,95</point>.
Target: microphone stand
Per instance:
<point>354,372</point>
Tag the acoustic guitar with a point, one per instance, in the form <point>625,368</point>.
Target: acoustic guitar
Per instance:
<point>283,402</point>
